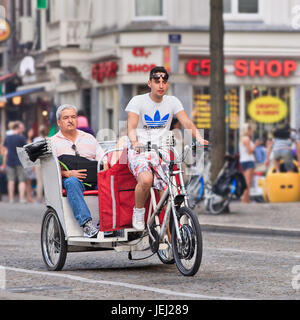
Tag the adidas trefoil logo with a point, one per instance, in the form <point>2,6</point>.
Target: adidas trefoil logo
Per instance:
<point>157,121</point>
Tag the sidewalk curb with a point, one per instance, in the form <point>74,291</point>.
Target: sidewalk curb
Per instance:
<point>254,230</point>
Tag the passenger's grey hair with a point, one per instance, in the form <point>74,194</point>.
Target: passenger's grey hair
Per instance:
<point>63,107</point>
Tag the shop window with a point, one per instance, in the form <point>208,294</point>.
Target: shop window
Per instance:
<point>145,9</point>
<point>262,125</point>
<point>241,9</point>
<point>202,114</point>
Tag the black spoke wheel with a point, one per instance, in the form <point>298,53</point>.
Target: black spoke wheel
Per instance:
<point>188,252</point>
<point>53,243</point>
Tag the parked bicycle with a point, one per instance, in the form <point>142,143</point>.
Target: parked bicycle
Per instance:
<point>230,183</point>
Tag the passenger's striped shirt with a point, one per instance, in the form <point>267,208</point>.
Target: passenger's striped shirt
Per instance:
<point>86,145</point>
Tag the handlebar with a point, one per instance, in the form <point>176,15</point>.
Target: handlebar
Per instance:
<point>193,146</point>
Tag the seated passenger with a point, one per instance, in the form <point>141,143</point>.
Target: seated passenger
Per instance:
<point>72,141</point>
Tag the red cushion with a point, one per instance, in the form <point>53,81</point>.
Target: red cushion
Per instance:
<point>85,193</point>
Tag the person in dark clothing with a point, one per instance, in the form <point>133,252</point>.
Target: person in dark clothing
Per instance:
<point>12,164</point>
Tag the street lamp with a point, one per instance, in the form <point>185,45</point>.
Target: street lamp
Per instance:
<point>16,100</point>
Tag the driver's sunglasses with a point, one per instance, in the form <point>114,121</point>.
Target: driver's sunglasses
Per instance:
<point>157,76</point>
<point>75,149</point>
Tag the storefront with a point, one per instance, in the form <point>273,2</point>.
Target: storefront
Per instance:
<point>117,77</point>
<point>246,80</point>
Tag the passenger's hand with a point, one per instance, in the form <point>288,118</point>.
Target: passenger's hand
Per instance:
<point>79,174</point>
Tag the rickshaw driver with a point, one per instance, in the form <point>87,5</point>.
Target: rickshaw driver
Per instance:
<point>69,140</point>
<point>151,112</point>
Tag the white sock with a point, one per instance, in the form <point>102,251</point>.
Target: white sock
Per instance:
<point>139,210</point>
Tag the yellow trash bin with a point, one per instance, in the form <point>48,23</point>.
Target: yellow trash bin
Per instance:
<point>282,187</point>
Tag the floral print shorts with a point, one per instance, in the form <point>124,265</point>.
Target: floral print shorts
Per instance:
<point>148,162</point>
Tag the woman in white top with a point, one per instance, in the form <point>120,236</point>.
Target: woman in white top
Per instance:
<point>247,158</point>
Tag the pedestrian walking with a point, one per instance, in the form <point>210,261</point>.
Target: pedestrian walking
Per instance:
<point>12,164</point>
<point>247,157</point>
<point>2,172</point>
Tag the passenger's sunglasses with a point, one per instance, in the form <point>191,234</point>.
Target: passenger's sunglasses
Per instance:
<point>75,149</point>
<point>157,76</point>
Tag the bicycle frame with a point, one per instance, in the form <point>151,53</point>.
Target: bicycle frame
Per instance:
<point>169,193</point>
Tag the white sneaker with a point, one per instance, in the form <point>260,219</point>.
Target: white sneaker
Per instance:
<point>138,219</point>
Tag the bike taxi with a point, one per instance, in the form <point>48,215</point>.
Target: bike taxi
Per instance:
<point>172,229</point>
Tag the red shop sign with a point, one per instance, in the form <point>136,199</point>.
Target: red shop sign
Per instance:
<point>140,67</point>
<point>104,70</point>
<point>243,68</point>
<point>260,68</point>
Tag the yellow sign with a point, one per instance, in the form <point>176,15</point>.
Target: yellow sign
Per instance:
<point>202,111</point>
<point>5,30</point>
<point>267,109</point>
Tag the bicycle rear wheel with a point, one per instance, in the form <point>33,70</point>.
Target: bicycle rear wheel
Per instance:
<point>188,253</point>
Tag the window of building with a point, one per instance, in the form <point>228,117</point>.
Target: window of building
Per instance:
<point>242,9</point>
<point>145,9</point>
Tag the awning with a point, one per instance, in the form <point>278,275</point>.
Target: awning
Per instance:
<point>21,92</point>
<point>7,76</point>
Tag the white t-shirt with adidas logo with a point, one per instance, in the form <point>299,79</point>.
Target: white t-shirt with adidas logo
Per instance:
<point>154,118</point>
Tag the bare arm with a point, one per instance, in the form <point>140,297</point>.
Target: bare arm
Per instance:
<point>269,150</point>
<point>4,157</point>
<point>187,123</point>
<point>132,124</point>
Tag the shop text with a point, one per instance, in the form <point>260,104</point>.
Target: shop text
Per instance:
<point>244,68</point>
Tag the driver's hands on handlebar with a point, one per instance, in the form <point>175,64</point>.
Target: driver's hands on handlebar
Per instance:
<point>137,146</point>
<point>203,142</point>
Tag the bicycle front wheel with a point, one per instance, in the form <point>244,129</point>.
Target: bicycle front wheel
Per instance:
<point>187,252</point>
